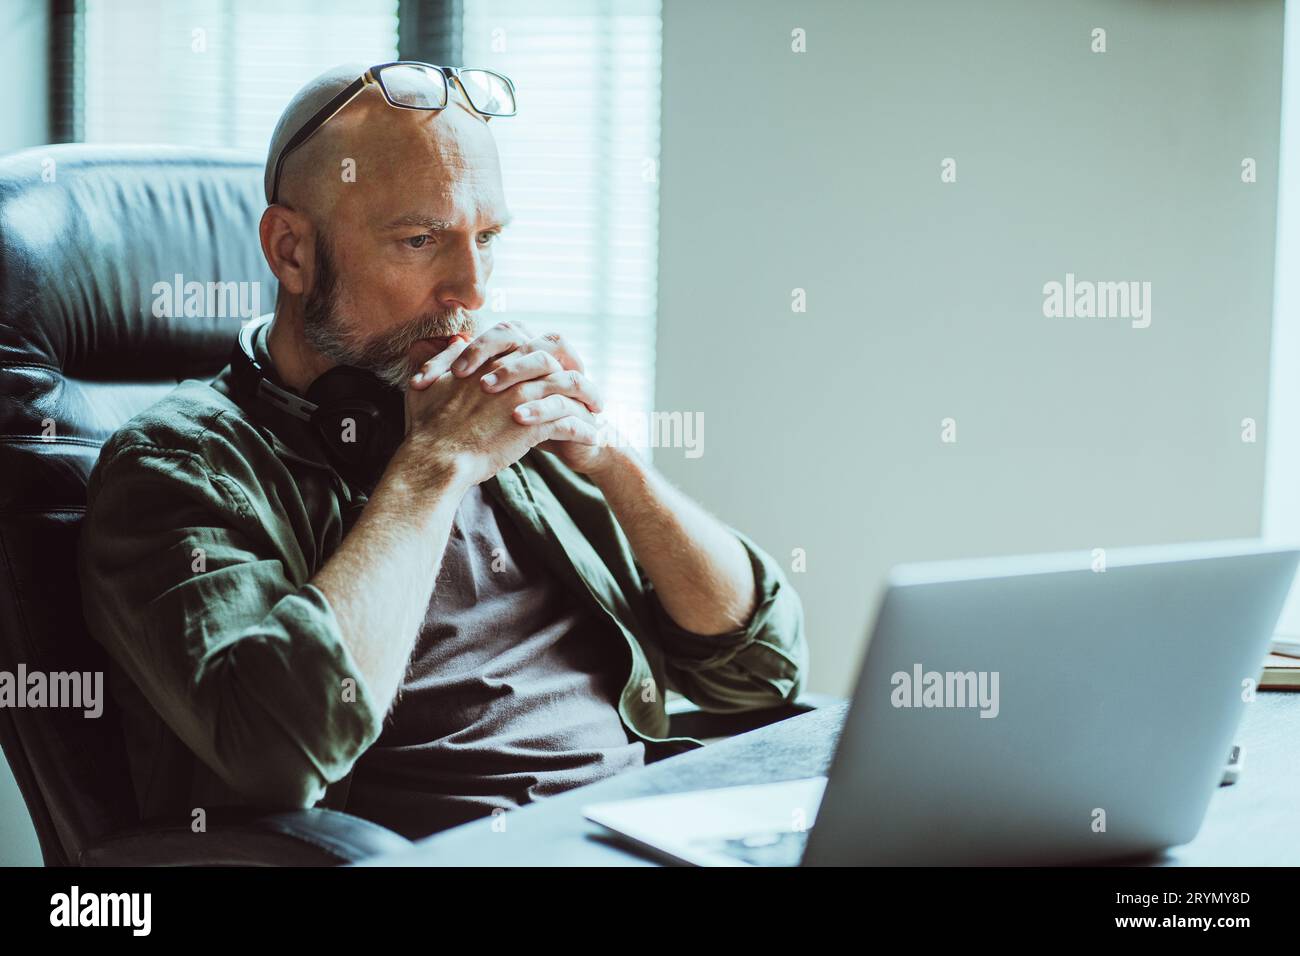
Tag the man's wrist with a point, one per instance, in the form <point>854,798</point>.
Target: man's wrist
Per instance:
<point>620,467</point>
<point>431,470</point>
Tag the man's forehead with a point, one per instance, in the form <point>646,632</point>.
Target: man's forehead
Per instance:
<point>393,152</point>
<point>418,168</point>
<point>448,140</point>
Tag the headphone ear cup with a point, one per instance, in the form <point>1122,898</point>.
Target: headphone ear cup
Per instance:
<point>361,421</point>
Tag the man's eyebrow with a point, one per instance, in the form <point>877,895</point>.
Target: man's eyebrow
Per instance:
<point>434,225</point>
<point>418,219</point>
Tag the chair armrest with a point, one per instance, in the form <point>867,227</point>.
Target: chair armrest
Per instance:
<point>249,837</point>
<point>686,719</point>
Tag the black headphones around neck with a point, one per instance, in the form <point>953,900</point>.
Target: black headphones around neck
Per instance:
<point>360,419</point>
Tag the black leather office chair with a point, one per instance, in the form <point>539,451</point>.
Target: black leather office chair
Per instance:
<point>85,232</point>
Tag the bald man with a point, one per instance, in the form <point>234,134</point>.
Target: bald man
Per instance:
<point>495,614</point>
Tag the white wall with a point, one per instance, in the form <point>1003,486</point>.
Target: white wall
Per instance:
<point>1282,478</point>
<point>24,46</point>
<point>821,171</point>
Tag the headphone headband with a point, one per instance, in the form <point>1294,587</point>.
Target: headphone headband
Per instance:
<point>359,418</point>
<point>254,378</point>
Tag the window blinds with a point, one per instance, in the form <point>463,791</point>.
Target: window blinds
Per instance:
<point>581,175</point>
<point>216,72</point>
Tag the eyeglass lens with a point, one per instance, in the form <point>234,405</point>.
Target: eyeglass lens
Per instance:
<point>415,86</point>
<point>422,87</point>
<point>488,92</point>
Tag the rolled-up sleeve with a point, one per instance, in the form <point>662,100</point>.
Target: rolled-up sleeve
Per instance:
<point>193,598</point>
<point>761,664</point>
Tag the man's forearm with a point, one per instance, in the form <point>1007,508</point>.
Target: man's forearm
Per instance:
<point>380,579</point>
<point>700,570</point>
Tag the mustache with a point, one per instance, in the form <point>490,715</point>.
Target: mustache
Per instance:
<point>395,343</point>
<point>428,326</point>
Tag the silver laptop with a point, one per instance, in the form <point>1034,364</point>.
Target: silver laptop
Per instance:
<point>1062,708</point>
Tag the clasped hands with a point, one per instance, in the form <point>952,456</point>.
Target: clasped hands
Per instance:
<point>485,402</point>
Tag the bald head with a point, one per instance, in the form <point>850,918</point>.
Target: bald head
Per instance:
<point>365,131</point>
<point>382,234</point>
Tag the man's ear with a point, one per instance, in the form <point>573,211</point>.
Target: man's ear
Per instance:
<point>286,236</point>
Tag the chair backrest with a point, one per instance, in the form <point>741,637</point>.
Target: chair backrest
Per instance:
<point>94,242</point>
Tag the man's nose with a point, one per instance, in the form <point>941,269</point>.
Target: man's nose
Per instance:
<point>464,278</point>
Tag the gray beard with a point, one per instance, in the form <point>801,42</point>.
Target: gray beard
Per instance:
<point>386,357</point>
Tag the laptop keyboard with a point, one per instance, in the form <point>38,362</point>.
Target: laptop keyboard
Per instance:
<point>778,848</point>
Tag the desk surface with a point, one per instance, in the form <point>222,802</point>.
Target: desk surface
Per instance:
<point>1253,822</point>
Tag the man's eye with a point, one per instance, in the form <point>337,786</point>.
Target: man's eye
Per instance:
<point>485,239</point>
<point>417,242</point>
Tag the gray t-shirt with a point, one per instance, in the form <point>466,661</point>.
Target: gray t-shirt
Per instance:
<point>511,694</point>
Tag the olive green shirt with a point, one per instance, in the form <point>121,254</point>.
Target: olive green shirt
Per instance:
<point>206,522</point>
